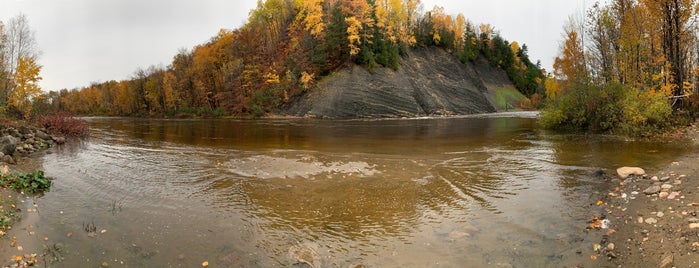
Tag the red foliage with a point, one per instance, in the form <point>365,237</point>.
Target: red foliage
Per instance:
<point>65,124</point>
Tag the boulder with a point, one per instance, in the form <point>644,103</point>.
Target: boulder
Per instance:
<point>625,172</point>
<point>8,159</point>
<point>25,130</point>
<point>8,144</point>
<point>42,135</point>
<point>59,140</point>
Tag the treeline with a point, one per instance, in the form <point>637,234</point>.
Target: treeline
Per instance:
<point>284,49</point>
<point>626,67</point>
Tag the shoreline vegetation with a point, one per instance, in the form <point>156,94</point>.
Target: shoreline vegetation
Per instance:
<point>20,139</point>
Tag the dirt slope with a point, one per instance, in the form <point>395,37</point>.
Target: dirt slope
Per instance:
<point>429,81</point>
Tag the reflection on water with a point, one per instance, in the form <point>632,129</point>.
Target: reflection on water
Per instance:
<point>475,191</point>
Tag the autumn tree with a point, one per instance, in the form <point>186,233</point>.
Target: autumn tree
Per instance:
<point>674,18</point>
<point>19,43</point>
<point>570,65</point>
<point>26,78</point>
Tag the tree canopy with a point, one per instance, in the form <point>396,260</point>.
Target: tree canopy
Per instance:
<point>285,48</point>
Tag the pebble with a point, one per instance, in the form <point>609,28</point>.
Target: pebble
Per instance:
<point>694,225</point>
<point>664,179</point>
<point>663,195</point>
<point>673,195</point>
<point>660,214</point>
<point>652,190</point>
<point>640,219</point>
<point>610,246</point>
<point>666,186</point>
<point>655,178</point>
<point>652,221</point>
<point>666,260</point>
<point>693,220</point>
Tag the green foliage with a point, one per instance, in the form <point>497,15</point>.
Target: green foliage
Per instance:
<point>264,101</point>
<point>507,98</point>
<point>29,183</point>
<point>612,109</point>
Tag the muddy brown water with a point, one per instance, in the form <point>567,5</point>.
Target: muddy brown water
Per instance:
<point>475,191</point>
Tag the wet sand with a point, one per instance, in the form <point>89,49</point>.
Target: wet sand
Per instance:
<point>649,229</point>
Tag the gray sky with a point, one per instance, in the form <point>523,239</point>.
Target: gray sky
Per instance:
<point>86,41</point>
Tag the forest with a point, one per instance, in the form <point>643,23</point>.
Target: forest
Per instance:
<point>282,51</point>
<point>626,66</point>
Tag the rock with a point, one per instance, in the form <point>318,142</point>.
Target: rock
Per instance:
<point>664,179</point>
<point>666,186</point>
<point>673,195</point>
<point>8,144</point>
<point>8,159</point>
<point>407,92</point>
<point>693,220</point>
<point>655,178</point>
<point>59,140</point>
<point>305,254</point>
<point>651,221</point>
<point>660,214</point>
<point>42,135</point>
<point>25,130</point>
<point>625,172</point>
<point>663,195</point>
<point>610,246</point>
<point>666,260</point>
<point>456,235</point>
<point>652,190</point>
<point>640,219</point>
<point>694,225</point>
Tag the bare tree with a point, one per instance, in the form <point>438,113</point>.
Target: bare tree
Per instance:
<point>20,43</point>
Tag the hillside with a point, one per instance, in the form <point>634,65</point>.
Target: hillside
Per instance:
<point>339,59</point>
<point>428,81</point>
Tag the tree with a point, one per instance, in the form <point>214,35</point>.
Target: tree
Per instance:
<point>674,18</point>
<point>20,43</point>
<point>570,64</point>
<point>26,78</point>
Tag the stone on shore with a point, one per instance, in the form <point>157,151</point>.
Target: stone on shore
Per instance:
<point>625,172</point>
<point>666,260</point>
<point>654,189</point>
<point>8,144</point>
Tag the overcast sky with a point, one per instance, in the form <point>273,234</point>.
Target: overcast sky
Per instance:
<point>84,41</point>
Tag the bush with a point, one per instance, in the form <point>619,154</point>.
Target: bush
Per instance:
<point>65,124</point>
<point>613,109</point>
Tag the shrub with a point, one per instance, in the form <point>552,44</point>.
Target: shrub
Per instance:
<point>65,124</point>
<point>29,183</point>
<point>614,108</point>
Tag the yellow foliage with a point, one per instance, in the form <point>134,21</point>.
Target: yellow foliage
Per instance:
<point>551,86</point>
<point>271,78</point>
<point>307,80</point>
<point>354,26</point>
<point>436,38</point>
<point>313,20</point>
<point>26,80</point>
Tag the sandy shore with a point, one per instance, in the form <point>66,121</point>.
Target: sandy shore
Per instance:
<point>652,219</point>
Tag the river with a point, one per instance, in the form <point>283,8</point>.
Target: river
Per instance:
<point>478,191</point>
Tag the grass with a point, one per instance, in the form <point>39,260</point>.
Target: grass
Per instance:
<point>506,98</point>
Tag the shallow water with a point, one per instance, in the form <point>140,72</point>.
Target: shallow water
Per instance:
<point>449,192</point>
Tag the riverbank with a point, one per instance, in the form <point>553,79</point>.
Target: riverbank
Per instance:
<point>651,220</point>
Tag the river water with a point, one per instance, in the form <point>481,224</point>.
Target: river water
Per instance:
<point>493,191</point>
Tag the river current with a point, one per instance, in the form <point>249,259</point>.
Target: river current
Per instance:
<point>480,191</point>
